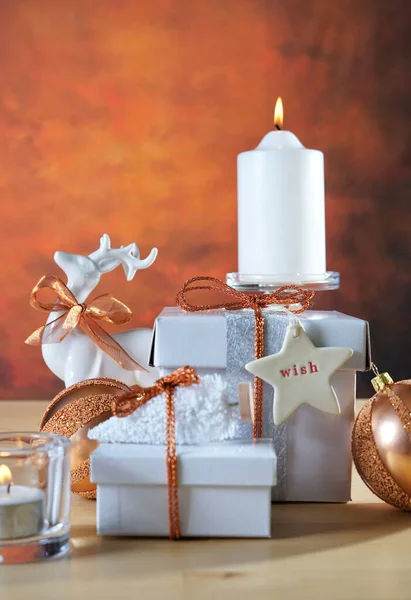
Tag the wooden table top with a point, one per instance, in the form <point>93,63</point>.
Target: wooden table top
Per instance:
<point>318,551</point>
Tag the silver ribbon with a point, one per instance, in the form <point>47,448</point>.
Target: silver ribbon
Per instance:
<point>240,351</point>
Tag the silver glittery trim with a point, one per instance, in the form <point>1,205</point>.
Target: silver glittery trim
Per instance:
<point>240,351</point>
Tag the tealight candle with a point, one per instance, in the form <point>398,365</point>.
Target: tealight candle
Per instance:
<point>22,508</point>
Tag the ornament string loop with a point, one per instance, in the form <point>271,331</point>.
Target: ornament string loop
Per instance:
<point>127,403</point>
<point>82,316</point>
<point>375,370</point>
<point>289,298</point>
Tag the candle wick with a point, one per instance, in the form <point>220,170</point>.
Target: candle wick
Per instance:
<point>277,127</point>
<point>9,488</point>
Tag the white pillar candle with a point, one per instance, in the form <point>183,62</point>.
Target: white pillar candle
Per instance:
<point>22,509</point>
<point>281,214</point>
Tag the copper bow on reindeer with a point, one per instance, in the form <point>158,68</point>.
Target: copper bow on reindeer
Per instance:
<point>127,403</point>
<point>84,316</point>
<point>290,297</point>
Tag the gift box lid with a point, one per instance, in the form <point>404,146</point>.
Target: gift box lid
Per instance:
<point>199,339</point>
<point>235,463</point>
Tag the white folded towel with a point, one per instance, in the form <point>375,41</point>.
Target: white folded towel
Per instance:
<point>202,415</point>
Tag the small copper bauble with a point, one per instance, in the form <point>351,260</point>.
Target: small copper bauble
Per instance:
<point>381,443</point>
<point>72,413</point>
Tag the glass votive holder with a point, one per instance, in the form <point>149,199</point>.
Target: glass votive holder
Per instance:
<point>34,496</point>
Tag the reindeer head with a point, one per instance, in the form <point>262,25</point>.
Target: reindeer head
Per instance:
<point>85,271</point>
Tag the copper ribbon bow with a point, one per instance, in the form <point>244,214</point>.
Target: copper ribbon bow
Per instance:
<point>292,298</point>
<point>127,403</point>
<point>84,316</point>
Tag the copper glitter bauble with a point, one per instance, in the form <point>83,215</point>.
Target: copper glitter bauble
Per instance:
<point>72,413</point>
<point>381,444</point>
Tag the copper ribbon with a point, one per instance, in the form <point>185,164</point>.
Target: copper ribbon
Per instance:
<point>292,298</point>
<point>84,316</point>
<point>127,403</point>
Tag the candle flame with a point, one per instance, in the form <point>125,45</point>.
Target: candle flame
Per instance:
<point>5,475</point>
<point>279,112</point>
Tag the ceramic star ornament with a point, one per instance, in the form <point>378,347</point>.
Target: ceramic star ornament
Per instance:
<point>300,374</point>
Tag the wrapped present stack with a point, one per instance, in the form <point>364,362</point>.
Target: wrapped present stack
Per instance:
<point>264,410</point>
<point>313,441</point>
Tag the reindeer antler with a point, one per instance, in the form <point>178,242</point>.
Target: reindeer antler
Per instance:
<point>107,258</point>
<point>131,261</point>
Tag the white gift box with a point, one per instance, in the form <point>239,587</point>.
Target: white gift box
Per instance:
<point>313,448</point>
<point>224,489</point>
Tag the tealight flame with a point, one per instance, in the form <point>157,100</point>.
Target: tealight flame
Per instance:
<point>279,113</point>
<point>5,475</point>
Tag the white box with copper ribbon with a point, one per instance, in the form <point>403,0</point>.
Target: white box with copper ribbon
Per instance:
<point>224,489</point>
<point>313,448</point>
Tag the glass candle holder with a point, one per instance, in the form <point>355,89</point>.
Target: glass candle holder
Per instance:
<point>34,496</point>
<point>269,283</point>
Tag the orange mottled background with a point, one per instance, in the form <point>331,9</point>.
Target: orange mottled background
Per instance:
<point>126,117</point>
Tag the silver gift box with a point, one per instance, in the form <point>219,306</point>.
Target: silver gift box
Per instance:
<point>313,448</point>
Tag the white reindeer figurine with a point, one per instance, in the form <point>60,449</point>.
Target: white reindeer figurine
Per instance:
<point>77,357</point>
